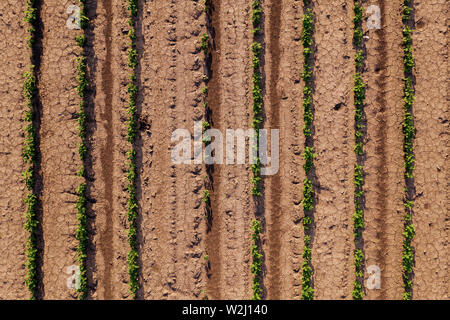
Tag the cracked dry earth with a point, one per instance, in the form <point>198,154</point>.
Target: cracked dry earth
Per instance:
<point>384,156</point>
<point>180,258</point>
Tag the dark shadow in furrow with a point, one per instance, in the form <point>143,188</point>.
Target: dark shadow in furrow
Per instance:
<point>381,135</point>
<point>91,126</point>
<point>214,106</point>
<point>37,173</point>
<point>143,126</point>
<point>274,236</point>
<point>107,154</point>
<point>209,183</point>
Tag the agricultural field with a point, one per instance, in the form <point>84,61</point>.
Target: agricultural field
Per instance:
<point>224,149</point>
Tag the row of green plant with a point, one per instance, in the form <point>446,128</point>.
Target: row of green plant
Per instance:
<point>81,233</point>
<point>205,47</point>
<point>309,155</point>
<point>29,155</point>
<point>256,48</point>
<point>256,266</point>
<point>206,124</point>
<point>132,174</point>
<point>409,133</point>
<point>359,94</point>
<point>207,6</point>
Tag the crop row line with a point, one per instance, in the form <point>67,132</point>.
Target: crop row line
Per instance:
<point>205,46</point>
<point>309,155</point>
<point>81,233</point>
<point>256,266</point>
<point>359,91</point>
<point>132,171</point>
<point>257,94</point>
<point>409,133</point>
<point>29,155</point>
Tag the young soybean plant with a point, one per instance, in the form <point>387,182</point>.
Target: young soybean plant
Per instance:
<point>29,156</point>
<point>409,133</point>
<point>309,155</point>
<point>256,180</point>
<point>132,174</point>
<point>257,260</point>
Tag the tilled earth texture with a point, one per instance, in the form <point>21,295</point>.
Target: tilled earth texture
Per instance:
<point>194,221</point>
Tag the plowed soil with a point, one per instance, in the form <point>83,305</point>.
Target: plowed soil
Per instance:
<point>431,149</point>
<point>12,192</point>
<point>384,180</point>
<point>232,203</point>
<point>180,256</point>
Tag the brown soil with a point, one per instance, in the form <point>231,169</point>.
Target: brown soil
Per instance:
<point>179,257</point>
<point>108,150</point>
<point>59,156</point>
<point>332,257</point>
<point>12,190</point>
<point>173,224</point>
<point>107,153</point>
<point>231,199</point>
<point>384,164</point>
<point>431,208</point>
<point>284,234</point>
<point>273,185</point>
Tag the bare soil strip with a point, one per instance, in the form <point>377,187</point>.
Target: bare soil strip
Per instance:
<point>273,189</point>
<point>332,257</point>
<point>107,152</point>
<point>231,199</point>
<point>109,146</point>
<point>291,143</point>
<point>157,67</point>
<point>58,150</point>
<point>15,57</point>
<point>173,222</point>
<point>384,149</point>
<point>431,210</point>
<point>189,214</point>
<point>214,101</point>
<point>282,105</point>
